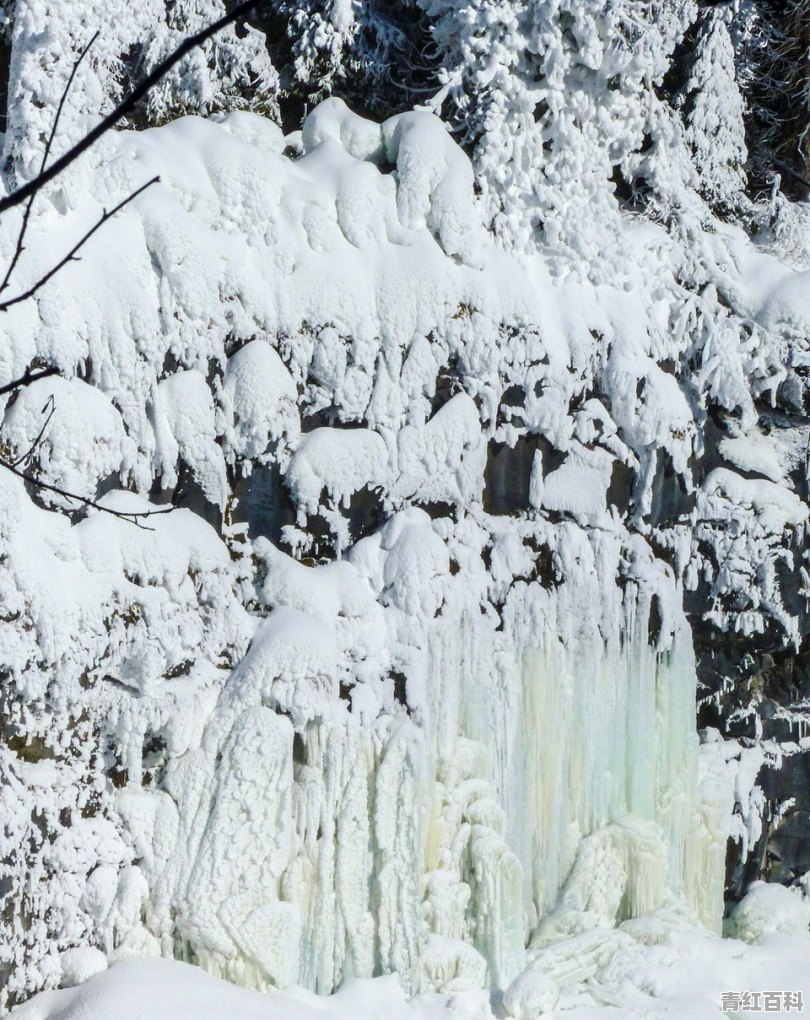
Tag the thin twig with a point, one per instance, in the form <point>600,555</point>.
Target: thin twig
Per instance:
<point>27,378</point>
<point>71,255</point>
<point>31,188</point>
<point>793,173</point>
<point>124,107</point>
<point>32,448</point>
<point>20,246</point>
<point>132,516</point>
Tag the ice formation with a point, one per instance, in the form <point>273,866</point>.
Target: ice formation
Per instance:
<point>434,715</point>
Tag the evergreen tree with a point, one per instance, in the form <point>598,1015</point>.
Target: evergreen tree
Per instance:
<point>555,97</point>
<point>773,52</point>
<point>229,72</point>
<point>376,54</point>
<point>715,116</point>
<point>47,36</point>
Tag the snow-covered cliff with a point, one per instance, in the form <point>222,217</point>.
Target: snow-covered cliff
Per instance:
<point>434,700</point>
<point>404,680</point>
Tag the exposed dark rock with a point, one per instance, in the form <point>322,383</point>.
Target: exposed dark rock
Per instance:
<point>670,497</point>
<point>508,472</point>
<point>263,502</point>
<point>766,698</point>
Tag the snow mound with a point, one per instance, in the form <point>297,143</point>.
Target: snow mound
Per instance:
<point>766,909</point>
<point>170,990</point>
<point>71,432</point>
<point>667,968</point>
<point>258,399</point>
<point>337,461</point>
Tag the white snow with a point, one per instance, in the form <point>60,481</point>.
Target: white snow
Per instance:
<point>579,486</point>
<point>464,751</point>
<point>82,442</point>
<point>185,428</point>
<point>337,461</point>
<point>258,399</point>
<point>657,967</point>
<point>774,506</point>
<point>756,453</point>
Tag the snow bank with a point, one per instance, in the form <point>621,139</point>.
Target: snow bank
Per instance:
<point>158,989</point>
<point>658,967</point>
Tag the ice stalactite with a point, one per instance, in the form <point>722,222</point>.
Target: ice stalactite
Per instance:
<point>536,777</point>
<point>593,734</point>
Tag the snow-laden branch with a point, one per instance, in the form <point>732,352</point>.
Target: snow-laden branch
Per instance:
<point>19,248</point>
<point>127,105</point>
<point>134,517</point>
<point>27,378</point>
<point>781,165</point>
<point>28,192</point>
<point>72,254</point>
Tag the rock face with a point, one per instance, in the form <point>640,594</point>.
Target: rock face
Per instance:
<point>406,683</point>
<point>762,706</point>
<point>753,684</point>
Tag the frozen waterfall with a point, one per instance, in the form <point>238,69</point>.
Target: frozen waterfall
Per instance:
<point>537,779</point>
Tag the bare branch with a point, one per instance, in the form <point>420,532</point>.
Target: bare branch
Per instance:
<point>13,466</point>
<point>50,406</point>
<point>133,517</point>
<point>28,192</point>
<point>71,255</point>
<point>20,245</point>
<point>26,379</point>
<point>793,173</point>
<point>127,105</point>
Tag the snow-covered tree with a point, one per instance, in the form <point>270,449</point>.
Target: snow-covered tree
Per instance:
<point>46,38</point>
<point>376,54</point>
<point>321,34</point>
<point>715,116</point>
<point>555,97</point>
<point>492,82</point>
<point>773,54</point>
<point>230,71</point>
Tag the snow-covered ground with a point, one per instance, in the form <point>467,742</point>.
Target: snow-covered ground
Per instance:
<point>651,969</point>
